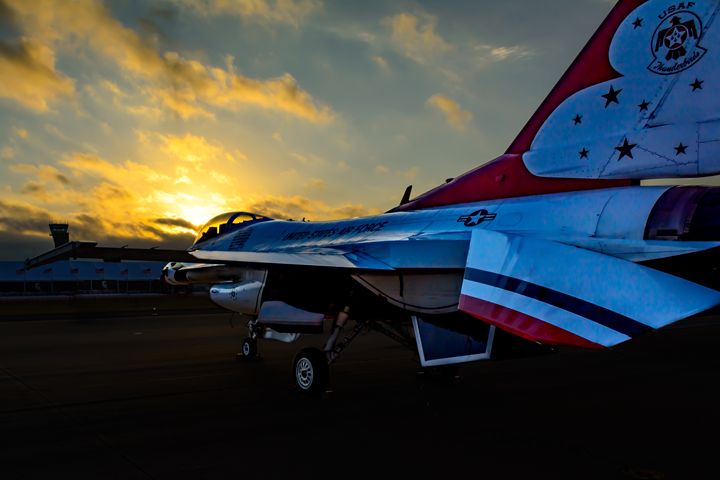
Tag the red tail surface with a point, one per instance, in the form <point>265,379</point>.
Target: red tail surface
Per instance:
<point>507,176</point>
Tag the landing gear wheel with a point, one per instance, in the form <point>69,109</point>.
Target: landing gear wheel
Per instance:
<point>311,371</point>
<point>249,349</point>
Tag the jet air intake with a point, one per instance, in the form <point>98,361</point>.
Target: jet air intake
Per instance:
<point>686,213</point>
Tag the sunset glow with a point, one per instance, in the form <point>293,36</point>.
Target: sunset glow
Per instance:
<point>138,121</point>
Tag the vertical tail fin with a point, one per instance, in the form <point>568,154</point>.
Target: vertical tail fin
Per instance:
<point>590,67</point>
<point>638,102</point>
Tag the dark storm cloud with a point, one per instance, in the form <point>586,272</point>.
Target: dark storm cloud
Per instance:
<point>62,179</point>
<point>20,218</point>
<point>150,30</point>
<point>16,52</point>
<point>19,225</point>
<point>18,247</point>
<point>159,15</point>
<point>86,227</point>
<point>164,11</point>
<point>32,188</point>
<point>7,18</point>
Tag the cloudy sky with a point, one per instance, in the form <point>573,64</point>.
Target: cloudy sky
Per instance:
<point>137,120</point>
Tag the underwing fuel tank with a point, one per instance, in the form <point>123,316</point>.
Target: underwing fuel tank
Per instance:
<point>242,297</point>
<point>185,274</point>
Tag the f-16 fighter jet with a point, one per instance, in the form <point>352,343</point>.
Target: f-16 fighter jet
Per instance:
<point>554,243</point>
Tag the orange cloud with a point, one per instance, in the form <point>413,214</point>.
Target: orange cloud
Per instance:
<point>28,75</point>
<point>83,164</point>
<point>278,11</point>
<point>138,192</point>
<point>297,207</point>
<point>137,204</point>
<point>190,148</point>
<point>416,37</point>
<point>101,199</point>
<point>186,87</point>
<point>21,133</point>
<point>42,172</point>
<point>454,114</point>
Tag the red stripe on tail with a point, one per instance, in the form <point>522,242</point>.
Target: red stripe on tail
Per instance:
<point>507,176</point>
<point>592,66</point>
<point>525,326</point>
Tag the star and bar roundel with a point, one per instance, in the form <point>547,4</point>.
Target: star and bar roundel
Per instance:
<point>658,118</point>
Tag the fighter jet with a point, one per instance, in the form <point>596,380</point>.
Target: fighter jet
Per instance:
<point>554,243</point>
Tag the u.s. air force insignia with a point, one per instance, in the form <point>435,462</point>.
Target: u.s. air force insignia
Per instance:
<point>477,217</point>
<point>676,41</point>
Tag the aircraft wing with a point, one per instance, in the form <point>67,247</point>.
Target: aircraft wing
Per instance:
<point>316,257</point>
<point>74,250</point>
<point>558,294</point>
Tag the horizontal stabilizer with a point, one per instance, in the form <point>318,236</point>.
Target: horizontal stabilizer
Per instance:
<point>557,294</point>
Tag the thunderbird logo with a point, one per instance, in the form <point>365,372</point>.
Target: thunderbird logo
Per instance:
<point>676,43</point>
<point>476,218</point>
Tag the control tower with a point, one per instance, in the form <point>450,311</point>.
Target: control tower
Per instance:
<point>59,233</point>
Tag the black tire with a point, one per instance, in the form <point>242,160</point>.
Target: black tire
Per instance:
<point>311,372</point>
<point>249,349</point>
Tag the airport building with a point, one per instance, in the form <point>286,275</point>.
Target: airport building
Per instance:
<point>75,276</point>
<point>79,276</point>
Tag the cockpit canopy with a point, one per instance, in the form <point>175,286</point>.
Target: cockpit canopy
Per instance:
<point>228,222</point>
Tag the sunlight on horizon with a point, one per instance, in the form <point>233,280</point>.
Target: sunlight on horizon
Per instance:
<point>137,123</point>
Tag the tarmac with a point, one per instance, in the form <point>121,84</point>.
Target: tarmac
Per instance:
<point>162,397</point>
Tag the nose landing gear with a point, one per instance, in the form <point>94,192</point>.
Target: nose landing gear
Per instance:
<point>249,350</point>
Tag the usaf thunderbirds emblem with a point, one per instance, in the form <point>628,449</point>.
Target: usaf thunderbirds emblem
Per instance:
<point>676,41</point>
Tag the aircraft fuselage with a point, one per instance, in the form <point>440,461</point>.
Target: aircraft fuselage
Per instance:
<point>424,252</point>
